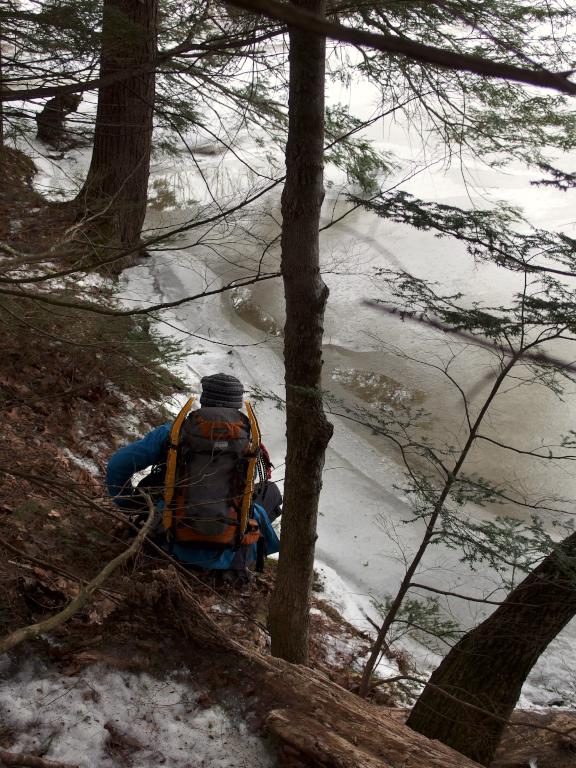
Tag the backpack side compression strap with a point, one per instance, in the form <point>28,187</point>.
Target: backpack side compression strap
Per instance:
<point>171,460</point>
<point>249,489</point>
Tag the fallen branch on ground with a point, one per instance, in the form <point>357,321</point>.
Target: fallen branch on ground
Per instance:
<point>33,631</point>
<point>32,761</point>
<point>327,726</point>
<point>49,566</point>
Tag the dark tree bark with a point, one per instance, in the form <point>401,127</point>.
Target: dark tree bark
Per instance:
<point>489,665</point>
<point>1,104</point>
<point>51,121</point>
<point>308,432</point>
<point>115,191</point>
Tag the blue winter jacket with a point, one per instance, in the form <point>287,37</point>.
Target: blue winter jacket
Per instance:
<point>152,450</point>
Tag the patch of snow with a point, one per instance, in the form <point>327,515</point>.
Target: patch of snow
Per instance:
<point>91,280</point>
<point>88,464</point>
<point>128,423</point>
<point>64,719</point>
<point>354,607</point>
<point>342,649</point>
<point>217,608</point>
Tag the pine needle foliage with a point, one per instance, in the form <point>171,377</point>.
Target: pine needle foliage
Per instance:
<point>514,339</point>
<point>86,352</point>
<point>499,234</point>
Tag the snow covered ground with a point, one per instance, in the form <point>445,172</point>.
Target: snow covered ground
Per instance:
<point>102,717</point>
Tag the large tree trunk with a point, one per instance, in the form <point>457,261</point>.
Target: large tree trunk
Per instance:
<point>115,191</point>
<point>489,665</point>
<point>308,431</point>
<point>1,105</point>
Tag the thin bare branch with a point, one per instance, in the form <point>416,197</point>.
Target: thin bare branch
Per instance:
<point>33,631</point>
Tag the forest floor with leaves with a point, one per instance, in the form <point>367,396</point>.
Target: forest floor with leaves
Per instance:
<point>71,392</point>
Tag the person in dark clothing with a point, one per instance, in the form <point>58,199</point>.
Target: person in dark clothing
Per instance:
<point>218,391</point>
<point>268,495</point>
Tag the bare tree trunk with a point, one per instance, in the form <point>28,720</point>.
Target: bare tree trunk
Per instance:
<point>308,432</point>
<point>116,187</point>
<point>488,666</point>
<point>1,103</point>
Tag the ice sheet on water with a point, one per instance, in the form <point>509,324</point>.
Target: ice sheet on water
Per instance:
<point>376,389</point>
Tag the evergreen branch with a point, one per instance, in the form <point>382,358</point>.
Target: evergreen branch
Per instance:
<point>484,231</point>
<point>425,54</point>
<point>549,455</point>
<point>460,597</point>
<point>186,227</point>
<point>537,358</point>
<point>42,92</point>
<point>301,19</point>
<point>424,630</point>
<point>538,506</point>
<point>430,530</point>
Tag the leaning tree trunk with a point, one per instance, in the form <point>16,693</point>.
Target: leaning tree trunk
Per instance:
<point>1,105</point>
<point>308,431</point>
<point>114,195</point>
<point>489,665</point>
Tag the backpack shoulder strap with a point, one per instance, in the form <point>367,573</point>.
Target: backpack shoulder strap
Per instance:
<point>252,458</point>
<point>171,461</point>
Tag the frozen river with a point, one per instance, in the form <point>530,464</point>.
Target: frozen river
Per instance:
<point>363,533</point>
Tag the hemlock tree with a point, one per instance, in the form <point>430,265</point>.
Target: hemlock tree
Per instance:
<point>44,45</point>
<point>183,63</point>
<point>489,665</point>
<point>307,429</point>
<point>115,192</point>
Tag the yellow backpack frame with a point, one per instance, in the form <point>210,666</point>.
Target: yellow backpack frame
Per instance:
<point>172,458</point>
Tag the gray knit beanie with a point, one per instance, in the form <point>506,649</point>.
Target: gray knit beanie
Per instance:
<point>221,390</point>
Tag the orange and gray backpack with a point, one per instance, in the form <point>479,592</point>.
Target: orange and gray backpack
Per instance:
<point>213,456</point>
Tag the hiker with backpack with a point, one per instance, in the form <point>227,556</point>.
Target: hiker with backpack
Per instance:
<point>211,513</point>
